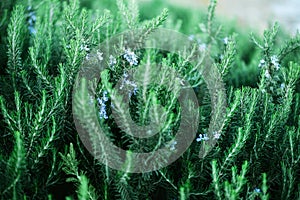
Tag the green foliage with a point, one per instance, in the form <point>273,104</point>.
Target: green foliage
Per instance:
<point>257,155</point>
<point>15,167</point>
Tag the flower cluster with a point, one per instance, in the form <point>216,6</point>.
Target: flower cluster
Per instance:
<point>84,48</point>
<point>31,19</point>
<point>262,63</point>
<point>130,57</point>
<point>274,61</point>
<point>273,66</point>
<point>267,74</point>
<point>127,82</point>
<point>112,61</point>
<point>225,40</point>
<point>201,46</point>
<point>99,55</point>
<point>202,137</point>
<point>217,135</point>
<point>101,102</point>
<point>172,146</point>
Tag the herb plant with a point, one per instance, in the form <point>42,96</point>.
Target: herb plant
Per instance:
<point>43,45</point>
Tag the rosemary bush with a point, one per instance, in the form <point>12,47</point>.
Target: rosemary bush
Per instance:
<point>43,45</point>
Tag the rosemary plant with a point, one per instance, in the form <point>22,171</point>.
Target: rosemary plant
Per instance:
<point>45,45</point>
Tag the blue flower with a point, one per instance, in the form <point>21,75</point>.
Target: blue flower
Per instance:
<point>130,57</point>
<point>191,37</point>
<point>202,47</point>
<point>217,135</point>
<point>257,190</point>
<point>262,63</point>
<point>202,137</point>
<point>99,55</point>
<point>112,61</point>
<point>135,90</point>
<point>32,30</point>
<point>84,48</point>
<point>226,40</point>
<point>31,19</point>
<point>129,83</point>
<point>275,62</point>
<point>172,146</point>
<point>104,97</point>
<point>101,102</point>
<point>267,74</point>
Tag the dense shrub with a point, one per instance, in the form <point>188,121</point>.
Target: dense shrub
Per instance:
<point>42,47</point>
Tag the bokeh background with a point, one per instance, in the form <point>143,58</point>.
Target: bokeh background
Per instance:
<point>256,14</point>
